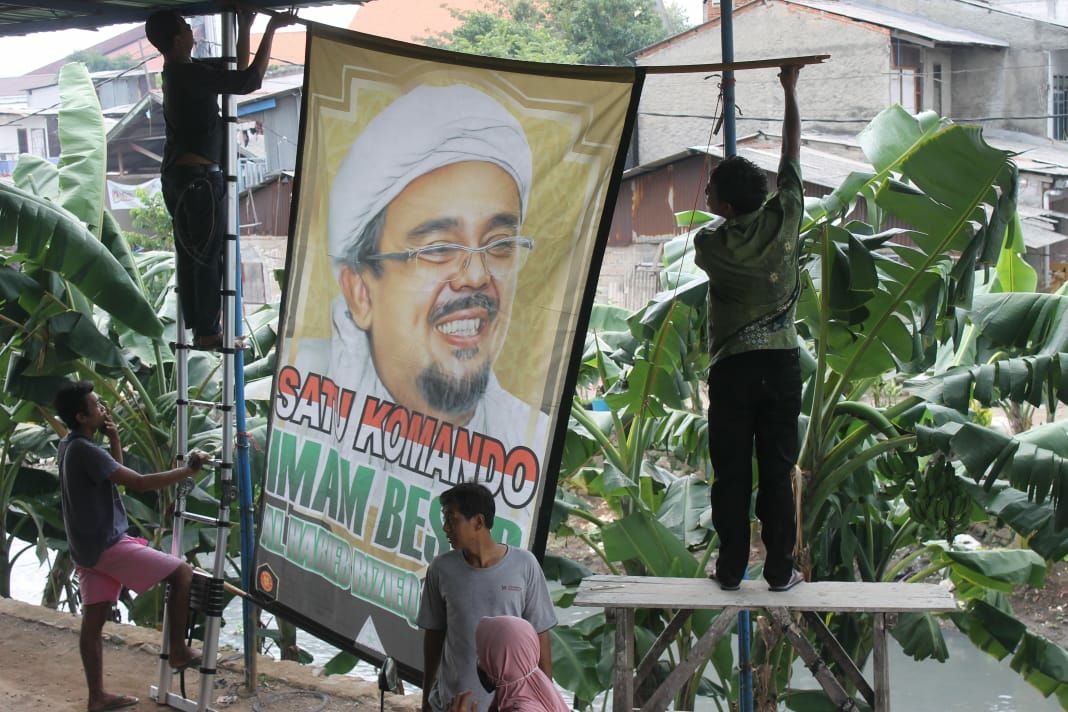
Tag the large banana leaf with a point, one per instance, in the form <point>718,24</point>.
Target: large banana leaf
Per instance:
<point>685,502</point>
<point>1030,323</point>
<point>575,662</point>
<point>1041,662</point>
<point>1032,521</point>
<point>1014,274</point>
<point>640,538</point>
<point>964,194</point>
<point>1034,379</point>
<point>53,239</point>
<point>920,636</point>
<point>83,162</point>
<point>1033,461</point>
<point>37,175</point>
<point>894,133</point>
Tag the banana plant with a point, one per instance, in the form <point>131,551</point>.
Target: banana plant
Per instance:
<point>75,302</point>
<point>875,307</point>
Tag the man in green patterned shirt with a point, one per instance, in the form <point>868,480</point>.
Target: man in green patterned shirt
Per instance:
<point>754,382</point>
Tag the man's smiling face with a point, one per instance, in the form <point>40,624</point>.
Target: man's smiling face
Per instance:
<point>437,325</point>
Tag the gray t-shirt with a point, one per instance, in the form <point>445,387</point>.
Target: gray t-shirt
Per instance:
<point>457,595</point>
<point>93,513</point>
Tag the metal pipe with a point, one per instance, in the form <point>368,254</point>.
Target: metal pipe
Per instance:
<point>224,475</point>
<point>726,31</point>
<point>730,148</point>
<point>244,480</point>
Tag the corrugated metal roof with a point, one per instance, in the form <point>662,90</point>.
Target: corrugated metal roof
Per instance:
<point>1034,154</point>
<point>901,22</point>
<point>830,170</point>
<point>48,15</point>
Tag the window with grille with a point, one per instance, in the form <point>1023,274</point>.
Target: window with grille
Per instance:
<point>906,75</point>
<point>1060,107</point>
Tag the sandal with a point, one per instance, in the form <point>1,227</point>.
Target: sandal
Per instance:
<point>796,577</point>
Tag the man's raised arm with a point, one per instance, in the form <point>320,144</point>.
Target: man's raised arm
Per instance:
<point>263,52</point>
<point>791,118</point>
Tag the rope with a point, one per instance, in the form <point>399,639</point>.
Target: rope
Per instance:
<point>197,248</point>
<point>797,479</point>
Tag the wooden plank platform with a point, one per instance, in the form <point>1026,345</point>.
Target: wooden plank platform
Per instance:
<point>605,591</point>
<point>620,596</point>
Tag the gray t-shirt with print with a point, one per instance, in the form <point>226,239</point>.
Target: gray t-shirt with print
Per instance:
<point>457,595</point>
<point>93,513</point>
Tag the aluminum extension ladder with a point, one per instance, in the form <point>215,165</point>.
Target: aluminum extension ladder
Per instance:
<point>206,596</point>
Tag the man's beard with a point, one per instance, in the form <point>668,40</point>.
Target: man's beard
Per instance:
<point>451,394</point>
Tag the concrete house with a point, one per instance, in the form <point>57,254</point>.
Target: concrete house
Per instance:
<point>965,59</point>
<point>968,60</point>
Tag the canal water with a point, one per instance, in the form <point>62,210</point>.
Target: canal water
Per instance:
<point>970,681</point>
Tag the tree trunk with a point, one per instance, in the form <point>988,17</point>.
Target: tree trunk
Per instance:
<point>58,583</point>
<point>5,566</point>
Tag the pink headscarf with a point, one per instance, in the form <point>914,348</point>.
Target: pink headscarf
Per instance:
<point>508,651</point>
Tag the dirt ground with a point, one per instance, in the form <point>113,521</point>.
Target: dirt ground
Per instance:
<point>40,671</point>
<point>1045,610</point>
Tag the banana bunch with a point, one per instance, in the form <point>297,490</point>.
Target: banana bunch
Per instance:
<point>937,499</point>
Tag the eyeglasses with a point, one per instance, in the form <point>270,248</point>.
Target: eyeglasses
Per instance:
<point>442,261</point>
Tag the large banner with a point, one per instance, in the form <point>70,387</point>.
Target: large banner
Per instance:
<point>450,211</point>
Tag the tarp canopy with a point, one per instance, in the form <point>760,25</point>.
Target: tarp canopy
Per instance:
<point>22,18</point>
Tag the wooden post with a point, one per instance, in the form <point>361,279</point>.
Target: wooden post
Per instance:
<point>881,665</point>
<point>623,691</point>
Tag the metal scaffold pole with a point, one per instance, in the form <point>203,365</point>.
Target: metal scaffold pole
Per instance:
<point>244,479</point>
<point>207,594</point>
<point>730,148</point>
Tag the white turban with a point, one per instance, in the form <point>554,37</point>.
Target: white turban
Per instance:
<point>427,128</point>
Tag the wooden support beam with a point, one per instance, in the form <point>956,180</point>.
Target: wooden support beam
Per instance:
<point>145,152</point>
<point>881,664</point>
<point>698,654</point>
<point>660,645</point>
<point>840,656</point>
<point>774,62</point>
<point>623,690</point>
<point>839,697</point>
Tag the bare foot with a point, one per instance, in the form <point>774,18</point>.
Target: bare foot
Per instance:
<point>107,701</point>
<point>184,657</point>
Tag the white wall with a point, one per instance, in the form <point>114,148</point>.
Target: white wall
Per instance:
<point>9,142</point>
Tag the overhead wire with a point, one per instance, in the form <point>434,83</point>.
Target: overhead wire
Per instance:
<point>97,85</point>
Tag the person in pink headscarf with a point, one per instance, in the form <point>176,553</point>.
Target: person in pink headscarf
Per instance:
<point>508,651</point>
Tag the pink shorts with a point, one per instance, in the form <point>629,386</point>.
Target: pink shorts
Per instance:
<point>128,562</point>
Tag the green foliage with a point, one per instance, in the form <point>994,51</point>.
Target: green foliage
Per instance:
<point>607,31</point>
<point>75,302</point>
<point>153,229</point>
<point>515,29</point>
<point>98,62</point>
<point>562,31</point>
<point>887,473</point>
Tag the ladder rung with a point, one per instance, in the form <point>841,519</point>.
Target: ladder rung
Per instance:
<point>202,519</point>
<point>203,404</point>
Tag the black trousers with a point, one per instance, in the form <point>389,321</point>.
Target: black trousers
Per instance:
<point>196,199</point>
<point>754,398</point>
